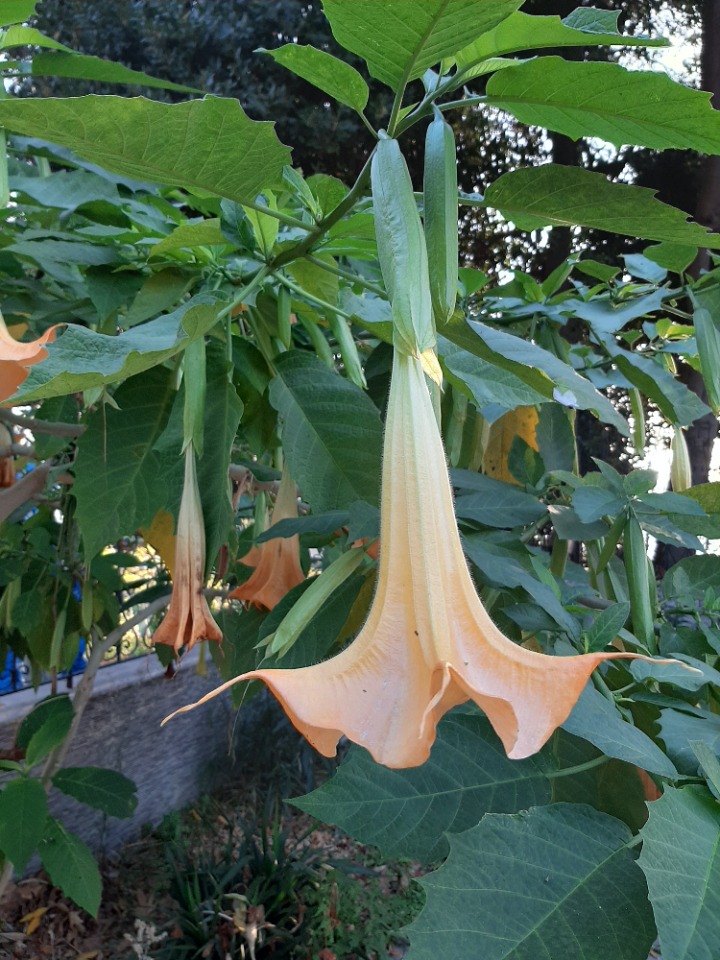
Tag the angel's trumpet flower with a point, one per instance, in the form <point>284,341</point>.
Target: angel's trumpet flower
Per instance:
<point>277,561</point>
<point>188,619</point>
<point>428,643</point>
<point>16,357</point>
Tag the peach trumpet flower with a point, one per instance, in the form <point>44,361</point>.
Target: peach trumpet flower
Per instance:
<point>276,561</point>
<point>188,619</point>
<point>16,357</point>
<point>428,643</point>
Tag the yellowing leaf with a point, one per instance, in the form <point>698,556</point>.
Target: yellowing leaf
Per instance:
<point>521,422</point>
<point>161,537</point>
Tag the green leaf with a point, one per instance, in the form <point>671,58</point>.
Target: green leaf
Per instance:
<point>679,404</point>
<point>80,358</point>
<point>71,866</point>
<point>606,626</point>
<point>497,504</point>
<point>205,144</point>
<point>237,653</point>
<point>681,861</point>
<point>400,42</point>
<point>554,195</point>
<point>334,77</point>
<point>50,735</point>
<point>692,576</point>
<point>105,790</point>
<point>605,100</point>
<point>595,719</point>
<point>23,811</point>
<point>119,484</point>
<point>494,390</point>
<point>408,812</point>
<point>54,711</point>
<point>66,189</point>
<point>80,66</point>
<point>16,11</point>
<point>705,301</point>
<point>332,434</point>
<point>507,567</point>
<point>680,730</point>
<point>555,438</point>
<point>671,256</point>
<point>555,882</point>
<point>526,360</point>
<point>521,31</point>
<point>202,233</point>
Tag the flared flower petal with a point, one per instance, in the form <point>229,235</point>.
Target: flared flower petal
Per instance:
<point>188,619</point>
<point>16,357</point>
<point>428,643</point>
<point>277,561</point>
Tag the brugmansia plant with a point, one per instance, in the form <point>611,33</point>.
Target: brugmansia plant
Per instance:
<point>200,336</point>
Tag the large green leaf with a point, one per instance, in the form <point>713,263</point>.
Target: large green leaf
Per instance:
<point>401,40</point>
<point>556,882</point>
<point>494,389</point>
<point>207,144</point>
<point>80,66</point>
<point>23,811</point>
<point>80,358</point>
<point>15,11</point>
<point>521,31</point>
<point>119,484</point>
<point>332,435</point>
<point>595,719</point>
<point>71,866</point>
<point>554,195</point>
<point>534,365</point>
<point>334,77</point>
<point>678,403</point>
<point>605,100</point>
<point>681,861</point>
<point>407,812</point>
<point>106,790</point>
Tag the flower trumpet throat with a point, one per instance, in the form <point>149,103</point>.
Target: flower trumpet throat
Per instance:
<point>428,643</point>
<point>188,619</point>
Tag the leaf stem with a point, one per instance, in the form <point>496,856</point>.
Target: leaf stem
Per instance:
<point>347,275</point>
<point>580,768</point>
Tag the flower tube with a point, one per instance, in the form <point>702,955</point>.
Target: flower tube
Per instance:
<point>188,619</point>
<point>428,643</point>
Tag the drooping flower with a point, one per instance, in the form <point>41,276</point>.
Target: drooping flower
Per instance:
<point>428,643</point>
<point>16,357</point>
<point>277,561</point>
<point>188,619</point>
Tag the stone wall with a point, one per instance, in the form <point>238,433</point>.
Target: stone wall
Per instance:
<point>120,729</point>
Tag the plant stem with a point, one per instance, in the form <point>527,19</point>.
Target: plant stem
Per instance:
<point>346,204</point>
<point>278,215</point>
<point>40,426</point>
<point>347,275</point>
<point>323,304</point>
